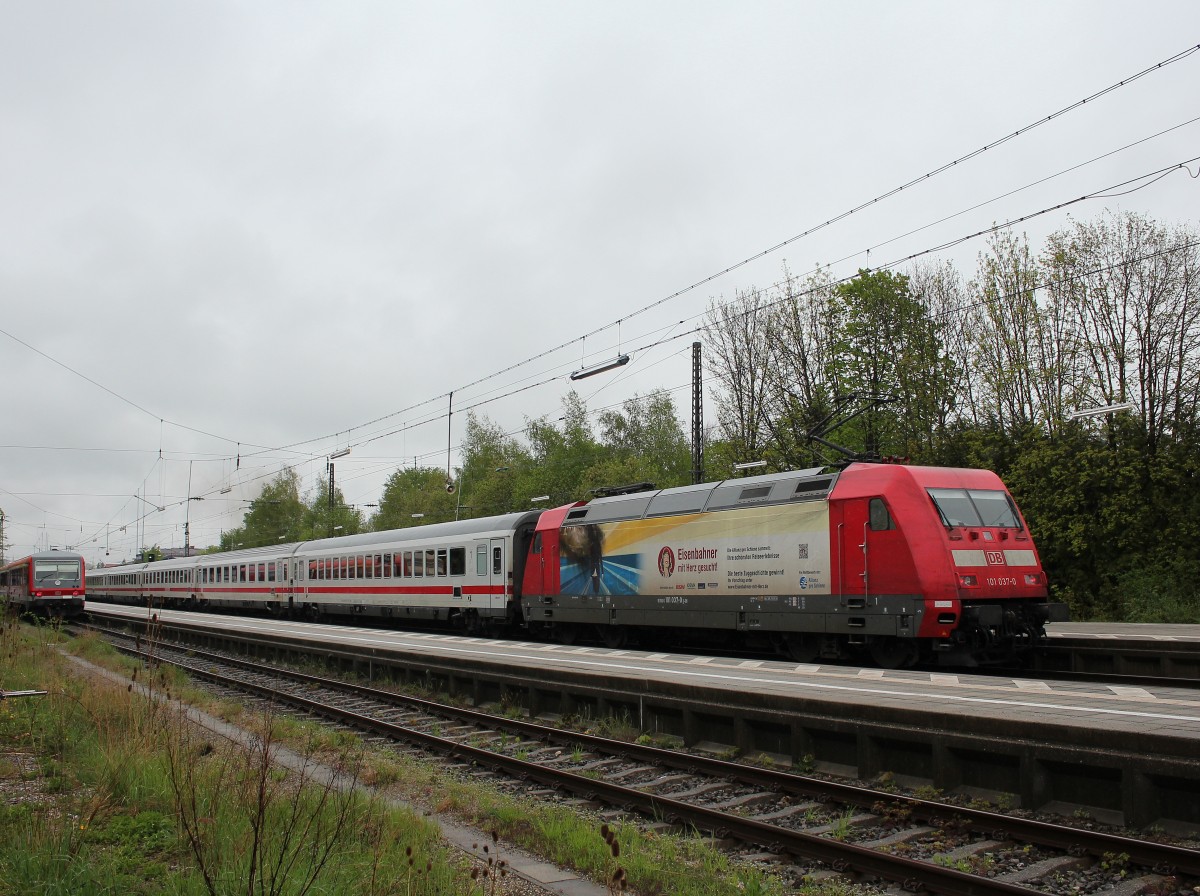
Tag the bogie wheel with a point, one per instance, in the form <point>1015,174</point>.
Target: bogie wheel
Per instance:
<point>894,653</point>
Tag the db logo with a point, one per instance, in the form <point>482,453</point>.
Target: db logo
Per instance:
<point>995,558</point>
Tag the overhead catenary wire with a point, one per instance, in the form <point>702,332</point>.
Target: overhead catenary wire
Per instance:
<point>261,449</point>
<point>924,178</point>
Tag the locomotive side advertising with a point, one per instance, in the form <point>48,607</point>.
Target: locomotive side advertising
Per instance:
<point>780,550</point>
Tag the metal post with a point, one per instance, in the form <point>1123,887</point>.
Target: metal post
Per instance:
<point>697,417</point>
<point>331,499</point>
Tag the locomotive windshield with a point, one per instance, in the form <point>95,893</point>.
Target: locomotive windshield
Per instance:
<point>65,571</point>
<point>975,507</point>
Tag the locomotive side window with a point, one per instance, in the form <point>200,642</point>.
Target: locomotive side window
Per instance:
<point>880,517</point>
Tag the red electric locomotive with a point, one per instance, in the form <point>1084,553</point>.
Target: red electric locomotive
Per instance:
<point>900,563</point>
<point>51,583</point>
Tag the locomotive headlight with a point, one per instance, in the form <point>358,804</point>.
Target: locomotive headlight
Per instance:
<point>968,581</point>
<point>1033,578</point>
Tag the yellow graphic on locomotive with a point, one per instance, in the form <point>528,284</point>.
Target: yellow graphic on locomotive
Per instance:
<point>776,550</point>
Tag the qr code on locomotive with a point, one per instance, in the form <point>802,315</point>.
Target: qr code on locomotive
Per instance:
<point>804,551</point>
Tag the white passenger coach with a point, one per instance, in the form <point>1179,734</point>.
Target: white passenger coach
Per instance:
<point>459,572</point>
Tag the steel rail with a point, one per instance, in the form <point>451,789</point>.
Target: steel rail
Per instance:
<point>1162,858</point>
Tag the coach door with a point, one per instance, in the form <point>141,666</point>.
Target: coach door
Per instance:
<point>497,574</point>
<point>295,582</point>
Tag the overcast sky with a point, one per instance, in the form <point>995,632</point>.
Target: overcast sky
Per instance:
<point>272,230</point>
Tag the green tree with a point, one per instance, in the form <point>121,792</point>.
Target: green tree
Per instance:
<point>321,520</point>
<point>415,490</point>
<point>642,442</point>
<point>887,345</point>
<point>276,516</point>
<point>494,465</point>
<point>560,457</point>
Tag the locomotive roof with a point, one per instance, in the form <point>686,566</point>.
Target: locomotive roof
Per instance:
<point>767,488</point>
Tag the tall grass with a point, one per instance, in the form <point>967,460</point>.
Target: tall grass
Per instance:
<point>107,792</point>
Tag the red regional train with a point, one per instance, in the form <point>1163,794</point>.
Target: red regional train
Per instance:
<point>51,583</point>
<point>899,564</point>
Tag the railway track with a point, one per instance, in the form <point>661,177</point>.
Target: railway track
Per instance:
<point>799,823</point>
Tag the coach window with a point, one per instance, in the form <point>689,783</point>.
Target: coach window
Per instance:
<point>262,572</point>
<point>481,560</point>
<point>458,561</point>
<point>387,566</point>
<point>361,562</point>
<point>241,572</point>
<point>881,519</point>
<point>430,563</point>
<point>441,562</point>
<point>497,560</point>
<point>408,565</point>
<point>418,563</point>
<point>271,573</point>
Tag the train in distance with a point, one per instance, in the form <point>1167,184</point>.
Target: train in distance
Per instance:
<point>48,583</point>
<point>887,563</point>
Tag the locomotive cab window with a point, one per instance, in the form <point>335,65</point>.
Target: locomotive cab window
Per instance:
<point>879,516</point>
<point>975,507</point>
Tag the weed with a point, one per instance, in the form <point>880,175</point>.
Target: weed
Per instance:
<point>615,878</point>
<point>840,829</point>
<point>962,865</point>
<point>1115,862</point>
